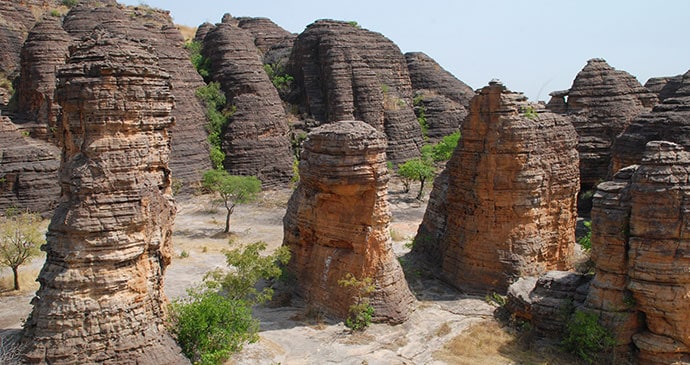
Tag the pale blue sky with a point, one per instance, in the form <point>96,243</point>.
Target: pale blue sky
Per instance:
<point>532,46</point>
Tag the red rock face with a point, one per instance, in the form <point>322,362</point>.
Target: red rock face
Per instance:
<point>602,101</point>
<point>343,72</point>
<point>101,297</point>
<point>256,139</point>
<point>509,206</point>
<point>639,242</point>
<point>668,121</point>
<point>337,222</point>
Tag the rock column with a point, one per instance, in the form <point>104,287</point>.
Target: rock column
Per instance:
<point>337,222</point>
<point>101,298</point>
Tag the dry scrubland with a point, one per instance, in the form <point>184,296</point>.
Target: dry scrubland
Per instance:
<point>447,327</point>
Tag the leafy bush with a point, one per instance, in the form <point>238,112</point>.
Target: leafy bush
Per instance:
<point>279,76</point>
<point>529,112</point>
<point>420,110</point>
<point>201,63</point>
<point>586,240</point>
<point>443,150</point>
<point>218,116</point>
<point>360,312</point>
<point>586,338</point>
<point>209,327</point>
<point>70,3</point>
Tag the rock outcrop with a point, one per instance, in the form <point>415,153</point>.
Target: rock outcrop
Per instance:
<point>101,298</point>
<point>659,253</point>
<point>337,222</point>
<point>28,171</point>
<point>45,49</point>
<point>190,149</point>
<point>508,209</point>
<point>668,121</point>
<point>343,72</point>
<point>15,22</point>
<point>602,102</point>
<point>664,87</point>
<point>256,140</point>
<point>427,74</point>
<point>265,32</point>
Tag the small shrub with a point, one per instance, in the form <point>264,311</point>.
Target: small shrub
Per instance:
<point>354,24</point>
<point>201,63</point>
<point>55,13</point>
<point>209,327</point>
<point>495,298</point>
<point>529,112</point>
<point>586,240</point>
<point>70,3</point>
<point>361,312</point>
<point>586,338</point>
<point>420,111</point>
<point>184,254</point>
<point>279,77</point>
<point>204,249</point>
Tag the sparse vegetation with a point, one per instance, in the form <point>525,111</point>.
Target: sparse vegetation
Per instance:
<point>279,77</point>
<point>420,110</point>
<point>201,63</point>
<point>496,299</point>
<point>361,312</point>
<point>354,24</point>
<point>443,150</point>
<point>529,112</point>
<point>55,13</point>
<point>418,169</point>
<point>233,190</point>
<point>216,319</point>
<point>70,3</point>
<point>20,239</point>
<point>218,115</point>
<point>184,254</point>
<point>586,338</point>
<point>586,240</point>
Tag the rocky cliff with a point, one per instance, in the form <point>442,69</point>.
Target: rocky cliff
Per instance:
<point>15,22</point>
<point>190,149</point>
<point>343,72</point>
<point>664,87</point>
<point>28,171</point>
<point>337,222</point>
<point>668,121</point>
<point>45,49</point>
<point>509,203</point>
<point>602,102</point>
<point>256,140</point>
<point>101,297</point>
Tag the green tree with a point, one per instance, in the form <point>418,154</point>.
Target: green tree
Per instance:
<point>233,190</point>
<point>20,240</point>
<point>418,169</point>
<point>361,311</point>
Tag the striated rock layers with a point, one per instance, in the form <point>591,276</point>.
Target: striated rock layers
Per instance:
<point>664,87</point>
<point>640,244</point>
<point>256,140</point>
<point>15,22</point>
<point>337,222</point>
<point>101,298</point>
<point>45,49</point>
<point>343,72</point>
<point>668,121</point>
<point>28,171</point>
<point>190,149</point>
<point>602,101</point>
<point>508,209</point>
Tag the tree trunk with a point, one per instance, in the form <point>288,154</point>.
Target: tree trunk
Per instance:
<point>421,189</point>
<point>227,217</point>
<point>16,277</point>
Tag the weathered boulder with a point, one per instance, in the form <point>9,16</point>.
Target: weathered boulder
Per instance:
<point>28,171</point>
<point>256,139</point>
<point>668,121</point>
<point>602,101</point>
<point>555,296</point>
<point>343,72</point>
<point>509,206</point>
<point>664,87</point>
<point>337,222</point>
<point>190,148</point>
<point>45,49</point>
<point>101,297</point>
<point>608,295</point>
<point>659,252</point>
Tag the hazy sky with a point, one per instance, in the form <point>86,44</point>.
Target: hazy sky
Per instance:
<point>532,46</point>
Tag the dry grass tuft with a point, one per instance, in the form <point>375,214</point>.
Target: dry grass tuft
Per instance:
<point>490,344</point>
<point>188,32</point>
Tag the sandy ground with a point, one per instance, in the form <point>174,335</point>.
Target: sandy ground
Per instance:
<point>289,334</point>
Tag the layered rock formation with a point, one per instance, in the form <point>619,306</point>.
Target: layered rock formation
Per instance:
<point>28,171</point>
<point>509,206</point>
<point>337,222</point>
<point>608,295</point>
<point>44,50</point>
<point>664,87</point>
<point>659,253</point>
<point>190,149</point>
<point>101,298</point>
<point>265,32</point>
<point>15,22</point>
<point>256,139</point>
<point>602,101</point>
<point>343,72</point>
<point>427,74</point>
<point>668,121</point>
